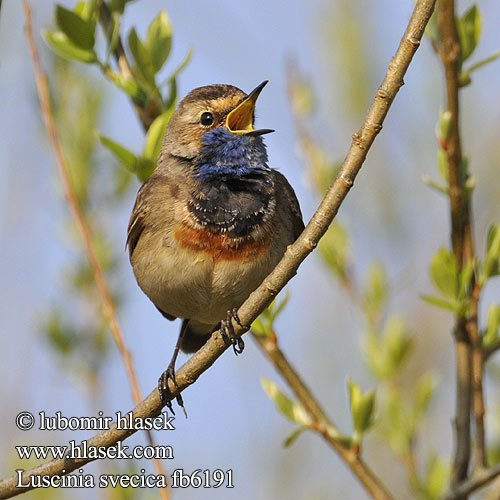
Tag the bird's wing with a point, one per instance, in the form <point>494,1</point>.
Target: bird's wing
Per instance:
<point>287,201</point>
<point>137,220</point>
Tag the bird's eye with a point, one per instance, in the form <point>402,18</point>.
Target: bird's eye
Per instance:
<point>207,119</point>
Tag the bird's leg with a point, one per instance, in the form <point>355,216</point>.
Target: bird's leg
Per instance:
<point>227,330</point>
<point>169,373</point>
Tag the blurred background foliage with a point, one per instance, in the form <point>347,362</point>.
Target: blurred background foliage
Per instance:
<point>377,355</point>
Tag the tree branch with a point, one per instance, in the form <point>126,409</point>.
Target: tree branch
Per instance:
<point>469,355</point>
<point>321,422</point>
<point>479,479</point>
<point>69,192</point>
<point>287,267</point>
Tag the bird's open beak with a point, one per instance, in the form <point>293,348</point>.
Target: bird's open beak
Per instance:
<point>240,119</point>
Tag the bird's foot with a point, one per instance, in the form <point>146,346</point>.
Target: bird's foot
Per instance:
<point>164,390</point>
<point>227,330</point>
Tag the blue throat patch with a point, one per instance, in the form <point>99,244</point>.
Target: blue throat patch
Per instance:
<point>226,153</point>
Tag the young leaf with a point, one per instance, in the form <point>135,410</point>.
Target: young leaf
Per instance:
<point>293,436</point>
<point>424,392</point>
<point>444,125</point>
<point>124,156</point>
<point>444,273</point>
<point>292,410</point>
<point>492,324</point>
<point>362,409</point>
<point>159,40</point>
<point>154,137</point>
<point>376,291</point>
<point>129,86</point>
<point>80,31</point>
<point>436,477</point>
<point>432,28</point>
<point>145,167</point>
<point>63,47</point>
<point>469,31</point>
<point>492,257</point>
<point>142,58</point>
<point>334,247</point>
<point>442,303</point>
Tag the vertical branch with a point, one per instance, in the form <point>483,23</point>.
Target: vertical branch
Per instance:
<point>469,356</point>
<point>102,286</point>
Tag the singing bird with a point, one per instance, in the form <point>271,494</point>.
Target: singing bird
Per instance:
<point>212,220</point>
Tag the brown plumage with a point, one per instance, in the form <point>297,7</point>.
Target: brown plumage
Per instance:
<point>213,219</point>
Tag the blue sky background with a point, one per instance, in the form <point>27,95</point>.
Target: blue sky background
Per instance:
<point>392,217</point>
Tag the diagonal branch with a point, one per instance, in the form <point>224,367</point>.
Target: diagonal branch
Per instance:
<point>286,268</point>
<point>321,422</point>
<point>69,192</point>
<point>479,479</point>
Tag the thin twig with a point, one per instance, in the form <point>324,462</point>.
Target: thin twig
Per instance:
<point>479,479</point>
<point>203,359</point>
<point>321,422</point>
<point>469,355</point>
<point>102,286</point>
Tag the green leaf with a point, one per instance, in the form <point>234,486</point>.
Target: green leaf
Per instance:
<point>436,477</point>
<point>334,247</point>
<point>490,335</point>
<point>80,31</point>
<point>63,47</point>
<point>376,291</point>
<point>436,301</point>
<point>442,160</point>
<point>155,134</point>
<point>362,409</point>
<point>424,391</point>
<point>263,325</point>
<point>465,78</point>
<point>433,184</point>
<point>159,40</point>
<point>293,436</point>
<point>444,273</point>
<point>491,260</point>
<point>145,167</point>
<point>142,58</point>
<point>469,31</point>
<point>124,156</point>
<point>432,28</point>
<point>259,329</point>
<point>129,86</point>
<point>386,354</point>
<point>443,131</point>
<point>292,410</point>
<point>465,279</point>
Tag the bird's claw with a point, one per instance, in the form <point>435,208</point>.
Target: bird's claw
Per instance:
<point>164,390</point>
<point>227,331</point>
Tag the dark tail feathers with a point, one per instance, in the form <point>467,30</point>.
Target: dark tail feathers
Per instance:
<point>192,341</point>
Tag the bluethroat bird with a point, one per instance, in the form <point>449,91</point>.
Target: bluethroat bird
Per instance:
<point>212,220</point>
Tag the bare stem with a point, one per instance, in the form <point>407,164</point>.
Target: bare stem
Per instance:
<point>469,355</point>
<point>203,359</point>
<point>69,192</point>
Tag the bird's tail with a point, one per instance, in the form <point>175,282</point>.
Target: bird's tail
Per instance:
<point>195,336</point>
